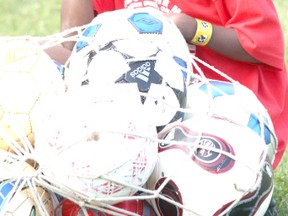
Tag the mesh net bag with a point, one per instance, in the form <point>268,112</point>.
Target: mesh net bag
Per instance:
<point>130,125</point>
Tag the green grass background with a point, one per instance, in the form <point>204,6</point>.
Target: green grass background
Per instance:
<point>40,18</point>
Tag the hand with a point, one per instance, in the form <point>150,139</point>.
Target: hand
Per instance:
<point>224,40</point>
<point>186,24</point>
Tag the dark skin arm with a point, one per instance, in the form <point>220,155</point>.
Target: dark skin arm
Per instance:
<point>75,13</point>
<point>58,53</point>
<point>224,40</point>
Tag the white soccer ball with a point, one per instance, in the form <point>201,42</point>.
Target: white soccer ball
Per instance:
<point>135,46</point>
<point>29,81</point>
<point>142,24</point>
<point>23,202</point>
<point>207,165</point>
<point>19,193</point>
<point>97,143</point>
<point>233,102</point>
<point>16,202</point>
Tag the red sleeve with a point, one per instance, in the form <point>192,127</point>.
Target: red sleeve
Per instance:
<point>101,6</point>
<point>258,28</point>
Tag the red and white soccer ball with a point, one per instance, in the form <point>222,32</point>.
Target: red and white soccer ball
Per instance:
<point>135,46</point>
<point>139,207</point>
<point>233,102</point>
<point>97,143</point>
<point>206,164</point>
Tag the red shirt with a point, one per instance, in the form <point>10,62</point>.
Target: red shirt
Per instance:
<point>269,80</point>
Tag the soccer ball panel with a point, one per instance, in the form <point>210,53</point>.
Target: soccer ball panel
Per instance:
<point>28,78</point>
<point>95,134</point>
<point>145,23</point>
<point>19,85</point>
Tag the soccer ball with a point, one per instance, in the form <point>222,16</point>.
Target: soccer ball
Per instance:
<point>29,80</point>
<point>17,196</point>
<point>97,143</point>
<point>144,24</point>
<point>139,207</point>
<point>131,46</point>
<point>207,165</point>
<point>233,102</point>
<point>16,202</point>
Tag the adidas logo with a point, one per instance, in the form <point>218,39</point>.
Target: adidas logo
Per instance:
<point>142,72</point>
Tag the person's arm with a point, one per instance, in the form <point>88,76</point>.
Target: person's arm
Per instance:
<point>75,13</point>
<point>59,54</point>
<point>224,40</point>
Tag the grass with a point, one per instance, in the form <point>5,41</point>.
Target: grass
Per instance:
<point>281,186</point>
<point>29,17</point>
<point>39,18</point>
<point>281,173</point>
<point>281,7</point>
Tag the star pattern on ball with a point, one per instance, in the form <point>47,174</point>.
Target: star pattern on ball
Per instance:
<point>142,73</point>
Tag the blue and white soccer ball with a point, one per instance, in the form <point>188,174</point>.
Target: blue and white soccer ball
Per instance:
<point>19,195</point>
<point>135,46</point>
<point>232,102</point>
<point>142,24</point>
<point>16,202</point>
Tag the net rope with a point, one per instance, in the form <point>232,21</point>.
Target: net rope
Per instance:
<point>12,164</point>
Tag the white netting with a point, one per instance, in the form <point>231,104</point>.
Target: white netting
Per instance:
<point>206,164</point>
